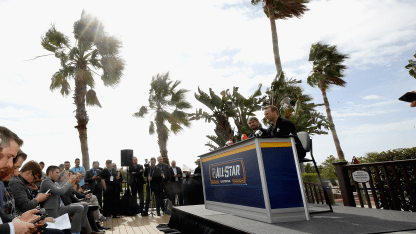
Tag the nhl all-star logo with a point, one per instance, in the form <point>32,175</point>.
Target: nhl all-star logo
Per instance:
<point>277,129</point>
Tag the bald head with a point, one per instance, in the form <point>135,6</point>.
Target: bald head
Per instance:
<point>173,163</point>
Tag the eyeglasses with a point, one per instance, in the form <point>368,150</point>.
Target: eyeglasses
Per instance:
<point>34,177</point>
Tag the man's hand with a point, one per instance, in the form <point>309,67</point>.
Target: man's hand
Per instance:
<point>95,177</point>
<point>133,173</point>
<point>41,197</point>
<point>72,178</point>
<point>29,216</point>
<point>141,170</point>
<point>150,178</point>
<point>22,227</point>
<point>88,196</point>
<point>83,174</point>
<point>413,104</point>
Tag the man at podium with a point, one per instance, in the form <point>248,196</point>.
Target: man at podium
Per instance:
<point>282,127</point>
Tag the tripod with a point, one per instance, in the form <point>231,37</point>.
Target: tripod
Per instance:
<point>152,204</point>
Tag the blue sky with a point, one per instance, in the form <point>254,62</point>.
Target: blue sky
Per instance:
<point>218,46</point>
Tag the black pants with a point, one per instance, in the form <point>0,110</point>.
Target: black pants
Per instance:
<point>156,190</point>
<point>177,190</point>
<point>138,189</point>
<point>110,201</point>
<point>98,192</point>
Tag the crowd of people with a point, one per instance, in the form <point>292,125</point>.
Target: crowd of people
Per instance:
<point>93,196</point>
<point>88,197</point>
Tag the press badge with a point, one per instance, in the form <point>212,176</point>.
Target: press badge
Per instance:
<point>111,178</point>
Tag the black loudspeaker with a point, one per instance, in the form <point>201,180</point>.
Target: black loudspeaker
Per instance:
<point>126,157</point>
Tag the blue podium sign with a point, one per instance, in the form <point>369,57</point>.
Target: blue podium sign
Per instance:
<point>258,178</point>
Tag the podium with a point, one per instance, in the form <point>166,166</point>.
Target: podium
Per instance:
<point>258,178</point>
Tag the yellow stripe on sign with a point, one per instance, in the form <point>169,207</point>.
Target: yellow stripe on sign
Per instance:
<point>275,144</point>
<point>231,152</point>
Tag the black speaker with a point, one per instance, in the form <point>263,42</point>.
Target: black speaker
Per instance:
<point>126,157</point>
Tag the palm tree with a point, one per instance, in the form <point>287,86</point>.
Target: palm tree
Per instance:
<point>281,9</point>
<point>93,51</point>
<point>412,67</point>
<point>327,71</point>
<point>168,105</point>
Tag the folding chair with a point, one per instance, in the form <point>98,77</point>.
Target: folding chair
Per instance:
<point>306,141</point>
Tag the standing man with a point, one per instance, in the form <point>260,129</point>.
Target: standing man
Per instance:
<point>81,171</point>
<point>282,127</point>
<point>166,183</point>
<point>94,182</point>
<point>109,182</point>
<point>136,181</point>
<point>154,177</point>
<point>254,124</point>
<point>176,179</point>
<point>66,172</point>
<point>198,169</point>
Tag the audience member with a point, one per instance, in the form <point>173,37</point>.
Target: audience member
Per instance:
<point>136,181</point>
<point>166,183</point>
<point>176,188</point>
<point>109,182</point>
<point>92,177</point>
<point>154,177</point>
<point>54,205</point>
<point>81,170</point>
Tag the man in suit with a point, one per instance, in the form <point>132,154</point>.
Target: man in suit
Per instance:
<point>93,179</point>
<point>54,205</point>
<point>136,181</point>
<point>154,177</point>
<point>9,146</point>
<point>166,183</point>
<point>176,178</point>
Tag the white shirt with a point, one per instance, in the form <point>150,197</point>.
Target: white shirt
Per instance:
<point>175,172</point>
<point>12,231</point>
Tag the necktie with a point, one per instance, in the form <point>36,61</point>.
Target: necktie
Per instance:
<point>95,172</point>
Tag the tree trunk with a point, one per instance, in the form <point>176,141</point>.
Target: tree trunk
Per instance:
<point>82,118</point>
<point>162,136</point>
<point>331,122</point>
<point>274,37</point>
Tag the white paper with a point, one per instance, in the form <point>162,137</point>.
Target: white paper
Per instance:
<point>111,178</point>
<point>61,223</point>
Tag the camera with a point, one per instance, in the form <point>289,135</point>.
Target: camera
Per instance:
<point>147,164</point>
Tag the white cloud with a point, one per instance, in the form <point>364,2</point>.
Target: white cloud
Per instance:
<point>370,97</point>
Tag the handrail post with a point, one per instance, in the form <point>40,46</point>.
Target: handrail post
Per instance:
<point>344,183</point>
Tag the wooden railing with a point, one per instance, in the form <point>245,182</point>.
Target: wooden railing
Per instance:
<point>314,193</point>
<point>392,184</point>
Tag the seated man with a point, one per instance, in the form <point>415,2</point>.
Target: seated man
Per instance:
<point>54,206</point>
<point>9,146</point>
<point>254,124</point>
<point>282,127</point>
<point>19,183</point>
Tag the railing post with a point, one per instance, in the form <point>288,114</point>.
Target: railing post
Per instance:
<point>344,183</point>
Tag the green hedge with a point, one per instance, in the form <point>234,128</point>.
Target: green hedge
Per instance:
<point>391,155</point>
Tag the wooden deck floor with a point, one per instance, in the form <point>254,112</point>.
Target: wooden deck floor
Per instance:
<point>135,224</point>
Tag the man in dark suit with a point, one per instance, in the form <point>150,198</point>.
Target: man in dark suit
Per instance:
<point>176,178</point>
<point>9,146</point>
<point>154,177</point>
<point>93,179</point>
<point>110,186</point>
<point>166,183</point>
<point>136,181</point>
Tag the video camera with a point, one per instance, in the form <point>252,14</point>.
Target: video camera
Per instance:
<point>147,163</point>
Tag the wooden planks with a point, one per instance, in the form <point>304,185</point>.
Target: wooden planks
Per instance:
<point>135,224</point>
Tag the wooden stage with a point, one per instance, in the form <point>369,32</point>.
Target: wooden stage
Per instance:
<point>135,224</point>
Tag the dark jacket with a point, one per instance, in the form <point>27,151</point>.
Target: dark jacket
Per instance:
<point>4,228</point>
<point>164,168</point>
<point>178,172</point>
<point>155,173</point>
<point>137,177</point>
<point>285,127</point>
<point>264,132</point>
<point>197,170</point>
<point>93,184</point>
<point>23,199</point>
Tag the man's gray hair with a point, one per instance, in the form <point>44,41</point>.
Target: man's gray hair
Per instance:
<point>253,118</point>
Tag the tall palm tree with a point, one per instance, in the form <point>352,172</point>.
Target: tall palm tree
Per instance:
<point>281,9</point>
<point>93,51</point>
<point>168,105</point>
<point>327,71</point>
